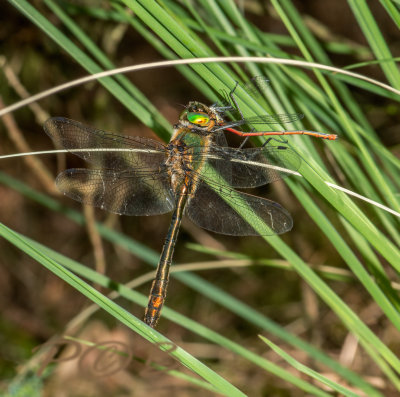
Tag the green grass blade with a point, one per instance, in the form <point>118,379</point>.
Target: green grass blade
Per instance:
<point>351,259</point>
<point>308,371</point>
<point>141,299</point>
<point>148,117</point>
<point>119,313</point>
<point>375,39</point>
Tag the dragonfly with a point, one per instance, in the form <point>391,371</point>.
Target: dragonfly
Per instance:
<point>196,174</point>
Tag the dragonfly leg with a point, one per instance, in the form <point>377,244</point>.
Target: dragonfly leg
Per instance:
<point>246,139</point>
<point>244,142</point>
<point>266,142</point>
<point>233,89</point>
<point>280,140</point>
<point>226,104</point>
<point>232,96</point>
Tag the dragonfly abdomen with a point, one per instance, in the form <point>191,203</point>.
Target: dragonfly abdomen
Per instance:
<point>159,287</point>
<point>156,301</point>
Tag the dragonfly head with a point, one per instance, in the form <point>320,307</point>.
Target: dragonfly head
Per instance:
<point>199,115</point>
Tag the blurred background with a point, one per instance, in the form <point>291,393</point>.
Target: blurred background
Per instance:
<point>37,306</point>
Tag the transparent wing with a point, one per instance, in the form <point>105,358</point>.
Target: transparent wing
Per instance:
<point>107,150</point>
<point>244,168</point>
<point>223,210</point>
<point>124,193</point>
<point>256,88</point>
<point>265,119</point>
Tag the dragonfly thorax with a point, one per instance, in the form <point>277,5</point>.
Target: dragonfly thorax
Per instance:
<point>177,163</point>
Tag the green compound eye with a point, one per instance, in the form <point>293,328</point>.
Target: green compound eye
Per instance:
<point>198,118</point>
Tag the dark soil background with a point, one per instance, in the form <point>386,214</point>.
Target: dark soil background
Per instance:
<point>36,306</point>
